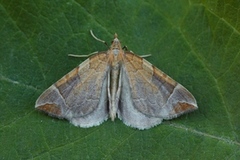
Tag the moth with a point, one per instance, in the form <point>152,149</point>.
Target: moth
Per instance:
<point>116,83</point>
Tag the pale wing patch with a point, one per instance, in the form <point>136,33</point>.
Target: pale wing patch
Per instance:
<point>127,110</point>
<point>81,95</point>
<point>152,92</point>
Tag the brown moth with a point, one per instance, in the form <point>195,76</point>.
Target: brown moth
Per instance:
<point>116,83</point>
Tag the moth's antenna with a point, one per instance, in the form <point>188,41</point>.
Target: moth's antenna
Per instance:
<point>81,56</point>
<point>98,38</point>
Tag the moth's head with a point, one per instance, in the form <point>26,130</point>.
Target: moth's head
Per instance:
<point>116,43</point>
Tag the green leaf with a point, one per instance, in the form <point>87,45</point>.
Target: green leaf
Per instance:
<point>195,42</point>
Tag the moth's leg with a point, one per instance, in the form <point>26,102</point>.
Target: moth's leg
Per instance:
<point>88,55</point>
<point>125,48</point>
<point>82,56</point>
<point>143,56</point>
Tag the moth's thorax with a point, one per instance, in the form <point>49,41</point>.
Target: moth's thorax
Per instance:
<point>115,52</point>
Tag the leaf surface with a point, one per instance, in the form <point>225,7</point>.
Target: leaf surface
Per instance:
<point>195,42</point>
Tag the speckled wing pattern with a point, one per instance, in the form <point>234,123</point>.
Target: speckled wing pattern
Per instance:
<point>81,95</point>
<point>148,95</point>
